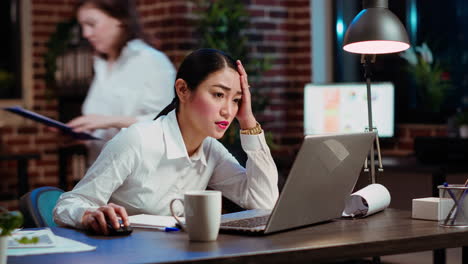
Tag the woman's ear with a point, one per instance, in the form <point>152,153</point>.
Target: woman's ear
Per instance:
<point>182,90</point>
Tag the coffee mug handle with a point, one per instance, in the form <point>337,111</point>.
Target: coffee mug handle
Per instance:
<point>174,215</point>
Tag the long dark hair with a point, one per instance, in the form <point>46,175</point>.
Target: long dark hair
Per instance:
<point>124,11</point>
<point>196,67</point>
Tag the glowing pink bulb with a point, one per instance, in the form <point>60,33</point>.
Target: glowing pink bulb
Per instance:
<point>376,47</point>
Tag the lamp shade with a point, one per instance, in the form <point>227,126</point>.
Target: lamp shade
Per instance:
<point>375,30</point>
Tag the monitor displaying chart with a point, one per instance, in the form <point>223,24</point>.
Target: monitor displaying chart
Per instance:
<point>342,107</point>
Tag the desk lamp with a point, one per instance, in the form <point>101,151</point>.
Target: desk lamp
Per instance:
<point>375,30</point>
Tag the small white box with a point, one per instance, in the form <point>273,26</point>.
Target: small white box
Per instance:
<point>431,208</point>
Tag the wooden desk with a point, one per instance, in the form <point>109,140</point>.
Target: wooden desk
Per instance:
<point>21,168</point>
<point>388,232</point>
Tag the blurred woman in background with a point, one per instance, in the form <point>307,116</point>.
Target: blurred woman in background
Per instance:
<point>132,80</point>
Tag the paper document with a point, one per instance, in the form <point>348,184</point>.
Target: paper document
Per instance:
<point>369,200</point>
<point>153,221</point>
<point>48,122</point>
<point>31,239</point>
<point>63,245</point>
<point>46,243</point>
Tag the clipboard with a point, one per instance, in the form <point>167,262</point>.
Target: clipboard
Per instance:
<point>49,122</point>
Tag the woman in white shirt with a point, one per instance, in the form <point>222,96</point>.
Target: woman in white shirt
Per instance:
<point>132,81</point>
<point>147,165</point>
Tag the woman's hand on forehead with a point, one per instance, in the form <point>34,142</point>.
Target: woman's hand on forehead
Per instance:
<point>245,115</point>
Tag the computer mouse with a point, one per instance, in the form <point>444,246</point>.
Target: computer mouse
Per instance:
<point>121,231</point>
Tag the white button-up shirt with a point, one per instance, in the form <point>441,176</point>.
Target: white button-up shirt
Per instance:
<point>140,83</point>
<point>145,166</point>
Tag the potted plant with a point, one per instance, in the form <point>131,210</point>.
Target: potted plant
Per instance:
<point>432,81</point>
<point>9,221</point>
<point>462,122</point>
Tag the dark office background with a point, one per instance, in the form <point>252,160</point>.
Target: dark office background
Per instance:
<point>442,25</point>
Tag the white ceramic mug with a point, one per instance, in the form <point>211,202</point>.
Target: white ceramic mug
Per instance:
<point>202,214</point>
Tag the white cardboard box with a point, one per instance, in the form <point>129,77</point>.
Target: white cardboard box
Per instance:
<point>428,208</point>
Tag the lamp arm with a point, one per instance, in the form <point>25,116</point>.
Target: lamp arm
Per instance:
<point>367,60</point>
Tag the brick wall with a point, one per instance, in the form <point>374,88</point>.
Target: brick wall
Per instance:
<point>170,26</point>
<point>281,31</point>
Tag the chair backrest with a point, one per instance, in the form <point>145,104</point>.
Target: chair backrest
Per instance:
<point>37,206</point>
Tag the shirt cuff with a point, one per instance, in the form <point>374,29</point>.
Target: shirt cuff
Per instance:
<point>79,216</point>
<point>253,142</point>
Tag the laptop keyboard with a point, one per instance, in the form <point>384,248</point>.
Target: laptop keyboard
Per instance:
<point>248,222</point>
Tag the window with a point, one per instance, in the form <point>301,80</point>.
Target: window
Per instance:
<point>445,30</point>
<point>10,50</point>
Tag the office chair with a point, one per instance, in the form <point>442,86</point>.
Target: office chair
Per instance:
<point>37,206</point>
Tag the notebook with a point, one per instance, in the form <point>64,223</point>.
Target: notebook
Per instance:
<point>152,221</point>
<point>322,177</point>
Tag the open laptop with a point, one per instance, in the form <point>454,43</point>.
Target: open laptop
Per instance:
<point>321,179</point>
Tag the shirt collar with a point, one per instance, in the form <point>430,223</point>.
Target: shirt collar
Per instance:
<point>175,146</point>
<point>199,155</point>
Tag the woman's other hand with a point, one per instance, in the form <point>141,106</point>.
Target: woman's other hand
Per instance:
<point>96,219</point>
<point>86,123</point>
<point>245,115</point>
